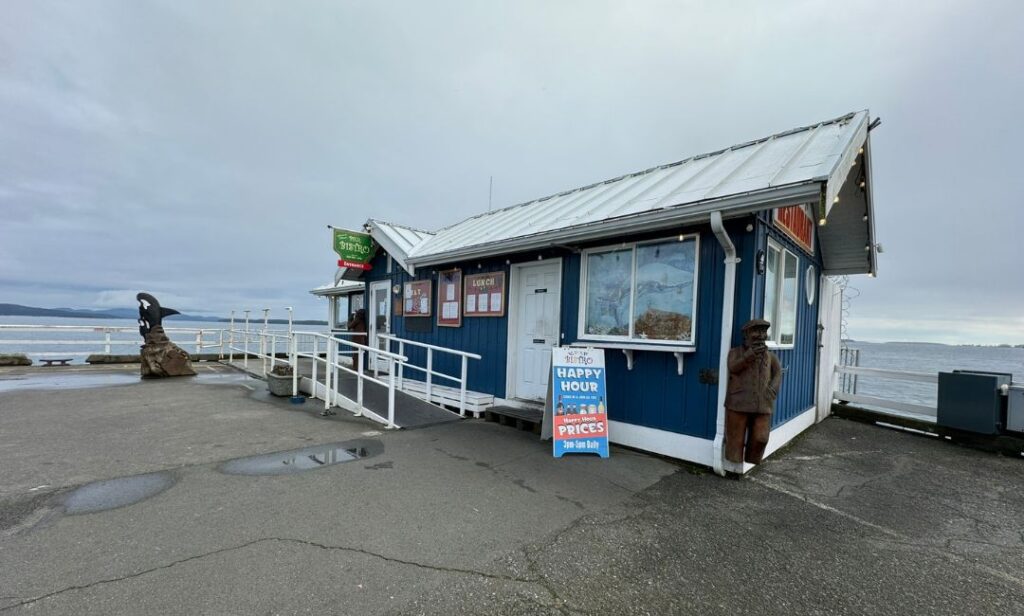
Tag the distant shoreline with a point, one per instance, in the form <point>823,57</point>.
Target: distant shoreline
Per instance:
<point>15,310</point>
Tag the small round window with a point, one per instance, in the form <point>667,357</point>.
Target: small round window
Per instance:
<point>810,284</point>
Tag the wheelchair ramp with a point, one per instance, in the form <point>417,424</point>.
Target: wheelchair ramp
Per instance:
<point>410,411</point>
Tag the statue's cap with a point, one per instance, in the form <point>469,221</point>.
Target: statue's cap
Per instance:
<point>756,324</point>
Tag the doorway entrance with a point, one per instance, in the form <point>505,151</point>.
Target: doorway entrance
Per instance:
<point>378,320</point>
<point>535,307</point>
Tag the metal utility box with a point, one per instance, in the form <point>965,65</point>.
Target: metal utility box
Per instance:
<point>1015,409</point>
<point>972,401</point>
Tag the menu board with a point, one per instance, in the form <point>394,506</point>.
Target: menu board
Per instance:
<point>485,295</point>
<point>449,298</point>
<point>416,298</point>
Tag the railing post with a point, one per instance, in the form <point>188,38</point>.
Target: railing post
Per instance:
<point>376,358</point>
<point>316,360</point>
<point>327,379</point>
<point>335,360</point>
<point>430,373</point>
<point>273,351</point>
<point>391,393</point>
<point>293,353</point>
<point>359,380</point>
<point>462,389</point>
<point>231,339</point>
<point>199,342</point>
<point>856,363</point>
<point>106,347</point>
<point>401,365</point>
<point>245,358</point>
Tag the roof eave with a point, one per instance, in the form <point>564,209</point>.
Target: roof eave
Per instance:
<point>731,207</point>
<point>398,255</point>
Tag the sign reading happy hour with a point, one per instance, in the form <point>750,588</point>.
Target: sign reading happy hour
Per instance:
<point>416,298</point>
<point>796,221</point>
<point>485,295</point>
<point>580,419</point>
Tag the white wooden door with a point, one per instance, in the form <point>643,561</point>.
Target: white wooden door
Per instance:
<point>830,320</point>
<point>537,303</point>
<point>378,318</point>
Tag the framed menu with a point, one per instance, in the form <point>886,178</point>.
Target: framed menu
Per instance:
<point>485,295</point>
<point>449,298</point>
<point>416,298</point>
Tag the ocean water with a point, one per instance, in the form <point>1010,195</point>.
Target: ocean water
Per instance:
<point>92,332</point>
<point>932,359</point>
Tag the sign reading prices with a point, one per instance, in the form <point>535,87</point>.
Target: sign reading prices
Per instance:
<point>580,412</point>
<point>354,249</point>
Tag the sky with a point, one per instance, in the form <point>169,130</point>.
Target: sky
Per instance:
<point>198,150</point>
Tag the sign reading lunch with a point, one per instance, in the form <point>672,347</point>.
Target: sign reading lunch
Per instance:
<point>580,416</point>
<point>354,249</point>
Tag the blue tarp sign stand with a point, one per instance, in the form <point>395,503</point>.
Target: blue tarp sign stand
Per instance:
<point>579,401</point>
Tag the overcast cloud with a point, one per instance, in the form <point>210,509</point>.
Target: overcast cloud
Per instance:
<point>199,149</point>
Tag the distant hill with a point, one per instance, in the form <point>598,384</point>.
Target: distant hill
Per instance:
<point>16,310</point>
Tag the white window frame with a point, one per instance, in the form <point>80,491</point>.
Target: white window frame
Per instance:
<point>776,329</point>
<point>630,340</point>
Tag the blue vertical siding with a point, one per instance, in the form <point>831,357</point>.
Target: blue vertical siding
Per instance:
<point>799,364</point>
<point>653,394</point>
<point>485,336</point>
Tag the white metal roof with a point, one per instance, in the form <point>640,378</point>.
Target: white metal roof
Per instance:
<point>341,287</point>
<point>803,165</point>
<point>397,240</point>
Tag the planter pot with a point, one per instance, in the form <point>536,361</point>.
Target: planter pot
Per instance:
<point>279,385</point>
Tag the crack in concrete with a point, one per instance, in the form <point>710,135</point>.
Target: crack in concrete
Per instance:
<point>440,568</point>
<point>895,537</point>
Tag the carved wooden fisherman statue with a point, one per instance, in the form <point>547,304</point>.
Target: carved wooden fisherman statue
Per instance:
<point>754,379</point>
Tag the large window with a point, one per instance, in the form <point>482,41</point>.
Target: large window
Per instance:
<point>780,292</point>
<point>643,292</point>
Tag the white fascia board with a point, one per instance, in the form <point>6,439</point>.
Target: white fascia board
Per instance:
<point>870,205</point>
<point>841,170</point>
<point>731,207</point>
<point>397,254</point>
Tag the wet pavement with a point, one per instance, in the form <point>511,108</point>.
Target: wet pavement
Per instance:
<point>113,493</point>
<point>301,460</point>
<point>472,517</point>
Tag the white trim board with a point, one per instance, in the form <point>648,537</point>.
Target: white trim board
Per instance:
<point>699,450</point>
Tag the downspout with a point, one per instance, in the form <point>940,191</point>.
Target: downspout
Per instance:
<point>728,299</point>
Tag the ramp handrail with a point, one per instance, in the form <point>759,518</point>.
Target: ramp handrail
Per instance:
<point>429,370</point>
<point>332,364</point>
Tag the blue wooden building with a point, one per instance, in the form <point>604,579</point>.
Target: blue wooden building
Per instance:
<point>660,268</point>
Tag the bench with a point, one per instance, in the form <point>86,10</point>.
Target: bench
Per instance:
<point>60,362</point>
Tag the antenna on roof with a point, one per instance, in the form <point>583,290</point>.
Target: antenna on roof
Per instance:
<point>490,193</point>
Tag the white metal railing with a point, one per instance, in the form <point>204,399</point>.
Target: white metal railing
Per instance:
<point>849,378</point>
<point>429,369</point>
<point>334,350</point>
<point>105,338</point>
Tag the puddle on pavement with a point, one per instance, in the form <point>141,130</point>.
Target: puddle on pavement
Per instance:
<point>67,381</point>
<point>114,493</point>
<point>301,460</point>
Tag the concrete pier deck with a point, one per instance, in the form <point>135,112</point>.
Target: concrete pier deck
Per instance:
<point>470,517</point>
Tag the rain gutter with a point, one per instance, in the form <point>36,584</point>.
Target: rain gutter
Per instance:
<point>728,301</point>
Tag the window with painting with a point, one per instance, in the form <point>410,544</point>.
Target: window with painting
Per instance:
<point>780,294</point>
<point>643,292</point>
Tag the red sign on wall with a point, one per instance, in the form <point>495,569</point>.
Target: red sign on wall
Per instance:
<point>798,224</point>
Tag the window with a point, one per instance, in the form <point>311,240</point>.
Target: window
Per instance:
<point>780,294</point>
<point>642,291</point>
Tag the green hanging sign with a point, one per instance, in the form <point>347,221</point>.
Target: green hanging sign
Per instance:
<point>354,248</point>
